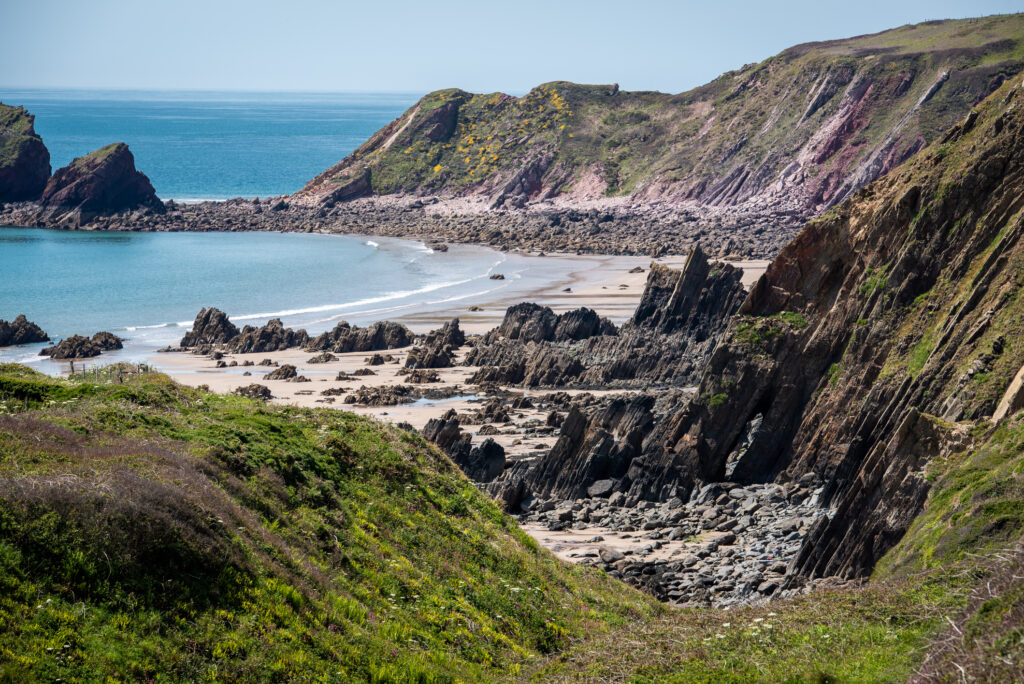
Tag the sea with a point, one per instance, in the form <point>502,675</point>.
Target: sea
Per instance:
<point>148,287</point>
<point>200,145</point>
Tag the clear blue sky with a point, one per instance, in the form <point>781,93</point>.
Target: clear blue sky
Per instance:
<point>422,45</point>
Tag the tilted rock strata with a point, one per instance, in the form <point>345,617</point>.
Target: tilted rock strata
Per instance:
<point>677,322</point>
<point>102,182</point>
<point>803,129</point>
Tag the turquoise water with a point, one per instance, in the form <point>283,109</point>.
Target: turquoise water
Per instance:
<point>148,287</point>
<point>212,145</point>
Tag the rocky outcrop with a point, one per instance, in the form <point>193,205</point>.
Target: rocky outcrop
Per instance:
<point>20,331</point>
<point>24,159</point>
<point>284,372</point>
<point>438,347</point>
<point>267,338</point>
<point>102,182</point>
<point>346,338</point>
<point>79,347</point>
<point>530,322</point>
<point>871,323</point>
<point>211,327</point>
<point>107,341</point>
<point>676,325</point>
<point>482,463</point>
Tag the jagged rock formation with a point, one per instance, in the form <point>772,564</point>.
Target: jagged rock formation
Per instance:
<point>438,347</point>
<point>801,130</point>
<point>676,324</point>
<point>894,309</point>
<point>482,463</point>
<point>79,347</point>
<point>107,341</point>
<point>267,338</point>
<point>351,338</point>
<point>211,327</point>
<point>20,331</point>
<point>102,182</point>
<point>24,159</point>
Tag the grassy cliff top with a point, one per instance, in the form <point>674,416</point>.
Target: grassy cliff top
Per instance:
<point>822,116</point>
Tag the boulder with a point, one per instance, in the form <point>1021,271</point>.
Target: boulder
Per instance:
<point>285,372</point>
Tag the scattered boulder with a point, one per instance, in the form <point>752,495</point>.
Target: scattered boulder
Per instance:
<point>323,357</point>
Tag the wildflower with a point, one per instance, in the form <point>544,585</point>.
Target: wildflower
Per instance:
<point>719,636</point>
<point>758,619</point>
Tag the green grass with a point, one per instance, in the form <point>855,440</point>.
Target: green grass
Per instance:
<point>153,532</point>
<point>149,531</point>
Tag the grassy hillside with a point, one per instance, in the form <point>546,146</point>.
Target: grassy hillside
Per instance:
<point>821,119</point>
<point>148,531</point>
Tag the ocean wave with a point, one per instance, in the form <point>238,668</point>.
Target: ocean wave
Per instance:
<point>133,328</point>
<point>390,296</point>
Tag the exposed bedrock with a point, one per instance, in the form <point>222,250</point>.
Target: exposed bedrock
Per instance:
<point>211,327</point>
<point>79,347</point>
<point>24,159</point>
<point>102,182</point>
<point>853,357</point>
<point>345,338</point>
<point>679,318</point>
<point>267,338</point>
<point>438,347</point>
<point>482,463</point>
<point>20,331</point>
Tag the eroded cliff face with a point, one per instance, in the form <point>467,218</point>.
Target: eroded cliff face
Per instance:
<point>794,134</point>
<point>872,341</point>
<point>24,159</point>
<point>102,182</point>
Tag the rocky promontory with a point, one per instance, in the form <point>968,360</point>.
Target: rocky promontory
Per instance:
<point>102,182</point>
<point>24,159</point>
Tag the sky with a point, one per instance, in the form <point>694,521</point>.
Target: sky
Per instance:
<point>418,46</point>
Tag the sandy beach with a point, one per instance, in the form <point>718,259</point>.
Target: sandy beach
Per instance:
<point>611,285</point>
